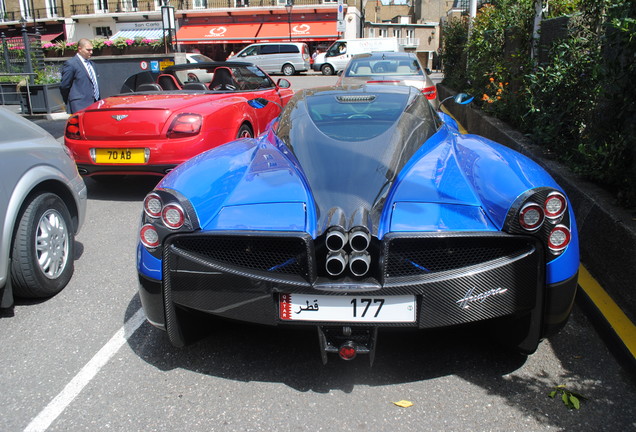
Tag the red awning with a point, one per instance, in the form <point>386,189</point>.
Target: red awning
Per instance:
<point>306,31</point>
<point>50,37</point>
<point>223,33</point>
<point>257,32</point>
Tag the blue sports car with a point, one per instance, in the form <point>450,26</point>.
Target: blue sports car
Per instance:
<point>360,208</point>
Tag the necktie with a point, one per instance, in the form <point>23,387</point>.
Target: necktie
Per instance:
<point>91,74</point>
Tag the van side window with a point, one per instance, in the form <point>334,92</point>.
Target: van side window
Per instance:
<point>289,49</point>
<point>269,49</point>
<point>250,51</point>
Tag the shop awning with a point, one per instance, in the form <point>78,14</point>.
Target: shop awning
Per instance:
<point>224,33</point>
<point>50,37</point>
<point>306,31</point>
<point>258,32</point>
<point>155,33</point>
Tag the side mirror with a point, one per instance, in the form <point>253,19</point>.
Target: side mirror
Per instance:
<point>459,98</point>
<point>340,72</point>
<point>260,102</point>
<point>283,83</point>
<point>428,71</point>
<point>463,99</point>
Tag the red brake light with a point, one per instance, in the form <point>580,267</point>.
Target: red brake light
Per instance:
<point>72,128</point>
<point>172,216</point>
<point>531,217</point>
<point>185,125</point>
<point>153,205</point>
<point>430,92</point>
<point>383,82</point>
<point>348,351</point>
<point>559,238</point>
<point>148,236</point>
<point>555,205</point>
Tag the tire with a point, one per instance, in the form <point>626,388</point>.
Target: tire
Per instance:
<point>43,248</point>
<point>288,70</point>
<point>245,131</point>
<point>327,69</point>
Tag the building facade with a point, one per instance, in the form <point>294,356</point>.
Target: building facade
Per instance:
<point>218,27</point>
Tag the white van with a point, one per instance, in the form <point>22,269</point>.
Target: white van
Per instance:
<point>287,58</point>
<point>340,52</point>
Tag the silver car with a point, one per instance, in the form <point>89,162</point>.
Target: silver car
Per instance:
<point>42,207</point>
<point>392,68</point>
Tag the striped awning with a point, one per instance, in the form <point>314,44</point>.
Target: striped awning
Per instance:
<point>144,33</point>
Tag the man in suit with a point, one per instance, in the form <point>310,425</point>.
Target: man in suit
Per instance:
<point>79,86</point>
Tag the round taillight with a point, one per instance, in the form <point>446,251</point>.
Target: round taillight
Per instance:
<point>172,216</point>
<point>531,217</point>
<point>347,351</point>
<point>152,205</point>
<point>148,236</point>
<point>559,238</point>
<point>555,205</point>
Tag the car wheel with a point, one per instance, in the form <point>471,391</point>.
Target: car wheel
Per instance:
<point>327,69</point>
<point>245,132</point>
<point>43,248</point>
<point>288,70</point>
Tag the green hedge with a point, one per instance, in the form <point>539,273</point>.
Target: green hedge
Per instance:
<point>579,104</point>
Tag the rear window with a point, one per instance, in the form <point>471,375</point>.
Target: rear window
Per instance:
<point>289,49</point>
<point>356,117</point>
<point>269,49</point>
<point>200,58</point>
<point>389,67</point>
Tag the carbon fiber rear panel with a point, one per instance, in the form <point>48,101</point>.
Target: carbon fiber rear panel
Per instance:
<point>457,278</point>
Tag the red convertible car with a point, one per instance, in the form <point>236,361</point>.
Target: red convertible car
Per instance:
<point>172,119</point>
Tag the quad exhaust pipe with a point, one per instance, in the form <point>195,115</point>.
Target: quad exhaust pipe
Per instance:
<point>359,263</point>
<point>336,263</point>
<point>356,235</point>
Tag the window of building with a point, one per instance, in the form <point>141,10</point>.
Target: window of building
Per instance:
<point>101,5</point>
<point>199,4</point>
<point>371,33</point>
<point>103,31</point>
<point>384,32</point>
<point>397,32</point>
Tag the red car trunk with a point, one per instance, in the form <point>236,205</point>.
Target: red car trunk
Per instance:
<point>132,117</point>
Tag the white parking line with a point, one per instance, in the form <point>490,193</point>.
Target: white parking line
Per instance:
<point>44,419</point>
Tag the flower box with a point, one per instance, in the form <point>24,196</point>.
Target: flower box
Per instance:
<point>9,94</point>
<point>45,98</point>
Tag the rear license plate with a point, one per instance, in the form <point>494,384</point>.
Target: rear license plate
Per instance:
<point>302,307</point>
<point>120,156</point>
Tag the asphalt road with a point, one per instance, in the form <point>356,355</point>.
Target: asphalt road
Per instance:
<point>86,360</point>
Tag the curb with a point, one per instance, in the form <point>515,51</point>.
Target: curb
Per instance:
<point>607,233</point>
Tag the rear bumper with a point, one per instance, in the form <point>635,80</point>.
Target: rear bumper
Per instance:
<point>88,170</point>
<point>511,287</point>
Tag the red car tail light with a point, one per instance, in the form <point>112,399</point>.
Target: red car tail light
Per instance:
<point>153,205</point>
<point>430,92</point>
<point>555,205</point>
<point>148,236</point>
<point>348,351</point>
<point>383,81</point>
<point>173,216</point>
<point>531,217</point>
<point>73,128</point>
<point>185,125</point>
<point>559,238</point>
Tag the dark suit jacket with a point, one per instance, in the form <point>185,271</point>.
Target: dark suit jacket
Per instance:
<point>76,86</point>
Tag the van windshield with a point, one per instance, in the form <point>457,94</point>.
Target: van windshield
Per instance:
<point>338,48</point>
